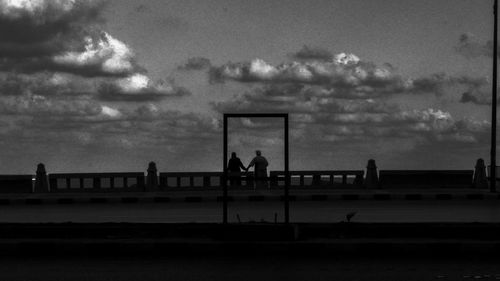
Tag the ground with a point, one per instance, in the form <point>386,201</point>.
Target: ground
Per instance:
<point>242,268</point>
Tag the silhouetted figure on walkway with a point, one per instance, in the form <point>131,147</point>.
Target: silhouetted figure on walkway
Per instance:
<point>234,168</point>
<point>260,170</point>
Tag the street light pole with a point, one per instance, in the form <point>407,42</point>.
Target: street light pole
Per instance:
<point>493,176</point>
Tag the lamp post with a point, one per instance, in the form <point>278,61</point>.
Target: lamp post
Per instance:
<point>493,176</point>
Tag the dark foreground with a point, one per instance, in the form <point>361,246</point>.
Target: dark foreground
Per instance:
<point>241,268</point>
<point>251,251</point>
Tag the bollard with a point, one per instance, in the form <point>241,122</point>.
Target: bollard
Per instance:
<point>371,180</point>
<point>480,180</point>
<point>152,177</point>
<point>41,183</point>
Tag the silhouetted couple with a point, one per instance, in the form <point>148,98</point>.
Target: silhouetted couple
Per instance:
<point>259,163</point>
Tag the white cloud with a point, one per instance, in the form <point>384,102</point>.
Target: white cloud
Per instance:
<point>14,8</point>
<point>346,59</point>
<point>106,52</point>
<point>109,111</point>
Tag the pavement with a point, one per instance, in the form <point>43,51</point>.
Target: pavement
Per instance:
<point>342,240</point>
<point>211,195</point>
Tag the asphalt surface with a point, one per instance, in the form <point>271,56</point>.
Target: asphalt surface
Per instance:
<point>300,211</point>
<point>253,268</point>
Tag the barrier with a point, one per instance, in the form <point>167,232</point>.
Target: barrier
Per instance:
<point>425,178</point>
<point>318,178</point>
<point>16,183</point>
<point>96,182</point>
<point>202,179</point>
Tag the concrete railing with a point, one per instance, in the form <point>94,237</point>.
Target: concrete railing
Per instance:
<point>109,182</point>
<point>318,178</point>
<point>16,183</point>
<point>202,179</point>
<point>426,178</point>
<point>188,179</point>
<point>83,182</point>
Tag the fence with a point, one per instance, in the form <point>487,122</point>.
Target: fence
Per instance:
<point>318,178</point>
<point>16,183</point>
<point>203,179</point>
<point>110,182</point>
<point>78,182</point>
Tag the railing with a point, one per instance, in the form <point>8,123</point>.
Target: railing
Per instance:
<point>202,179</point>
<point>318,178</point>
<point>118,182</point>
<point>497,169</point>
<point>187,179</point>
<point>426,178</point>
<point>89,182</point>
<point>16,183</point>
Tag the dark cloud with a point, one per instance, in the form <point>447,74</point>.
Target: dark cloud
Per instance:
<point>478,98</point>
<point>469,47</point>
<point>312,53</point>
<point>62,36</point>
<point>196,63</point>
<point>142,8</point>
<point>33,22</point>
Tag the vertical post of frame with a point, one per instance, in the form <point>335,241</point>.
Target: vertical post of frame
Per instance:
<point>287,175</point>
<point>224,176</point>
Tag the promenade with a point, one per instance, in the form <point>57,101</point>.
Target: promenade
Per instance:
<point>249,194</point>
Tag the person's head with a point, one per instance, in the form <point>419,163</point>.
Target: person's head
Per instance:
<point>233,154</point>
<point>258,152</point>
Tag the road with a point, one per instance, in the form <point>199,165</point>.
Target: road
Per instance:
<point>300,211</point>
<point>240,268</point>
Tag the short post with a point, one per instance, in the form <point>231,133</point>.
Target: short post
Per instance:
<point>316,180</point>
<point>371,180</point>
<point>152,177</point>
<point>480,180</point>
<point>41,183</point>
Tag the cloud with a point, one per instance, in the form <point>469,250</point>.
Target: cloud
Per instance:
<point>469,47</point>
<point>62,36</point>
<point>56,47</point>
<point>139,87</point>
<point>43,28</point>
<point>312,53</point>
<point>102,54</point>
<point>324,118</point>
<point>36,105</point>
<point>196,63</point>
<point>344,74</point>
<point>142,8</point>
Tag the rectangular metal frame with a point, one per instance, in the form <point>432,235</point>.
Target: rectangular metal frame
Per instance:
<point>286,198</point>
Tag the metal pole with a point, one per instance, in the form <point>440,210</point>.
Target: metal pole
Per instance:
<point>224,175</point>
<point>493,176</point>
<point>287,175</point>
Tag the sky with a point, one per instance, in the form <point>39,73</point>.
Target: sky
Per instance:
<point>107,86</point>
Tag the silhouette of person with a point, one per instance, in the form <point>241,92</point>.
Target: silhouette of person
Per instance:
<point>260,169</point>
<point>234,167</point>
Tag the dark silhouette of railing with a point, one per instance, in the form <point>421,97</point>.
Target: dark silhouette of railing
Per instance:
<point>318,178</point>
<point>201,179</point>
<point>82,182</point>
<point>426,178</point>
<point>138,182</point>
<point>16,183</point>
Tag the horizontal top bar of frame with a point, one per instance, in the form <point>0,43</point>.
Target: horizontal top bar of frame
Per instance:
<point>257,115</point>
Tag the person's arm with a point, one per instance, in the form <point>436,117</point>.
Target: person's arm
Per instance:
<point>265,162</point>
<point>242,166</point>
<point>251,164</point>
